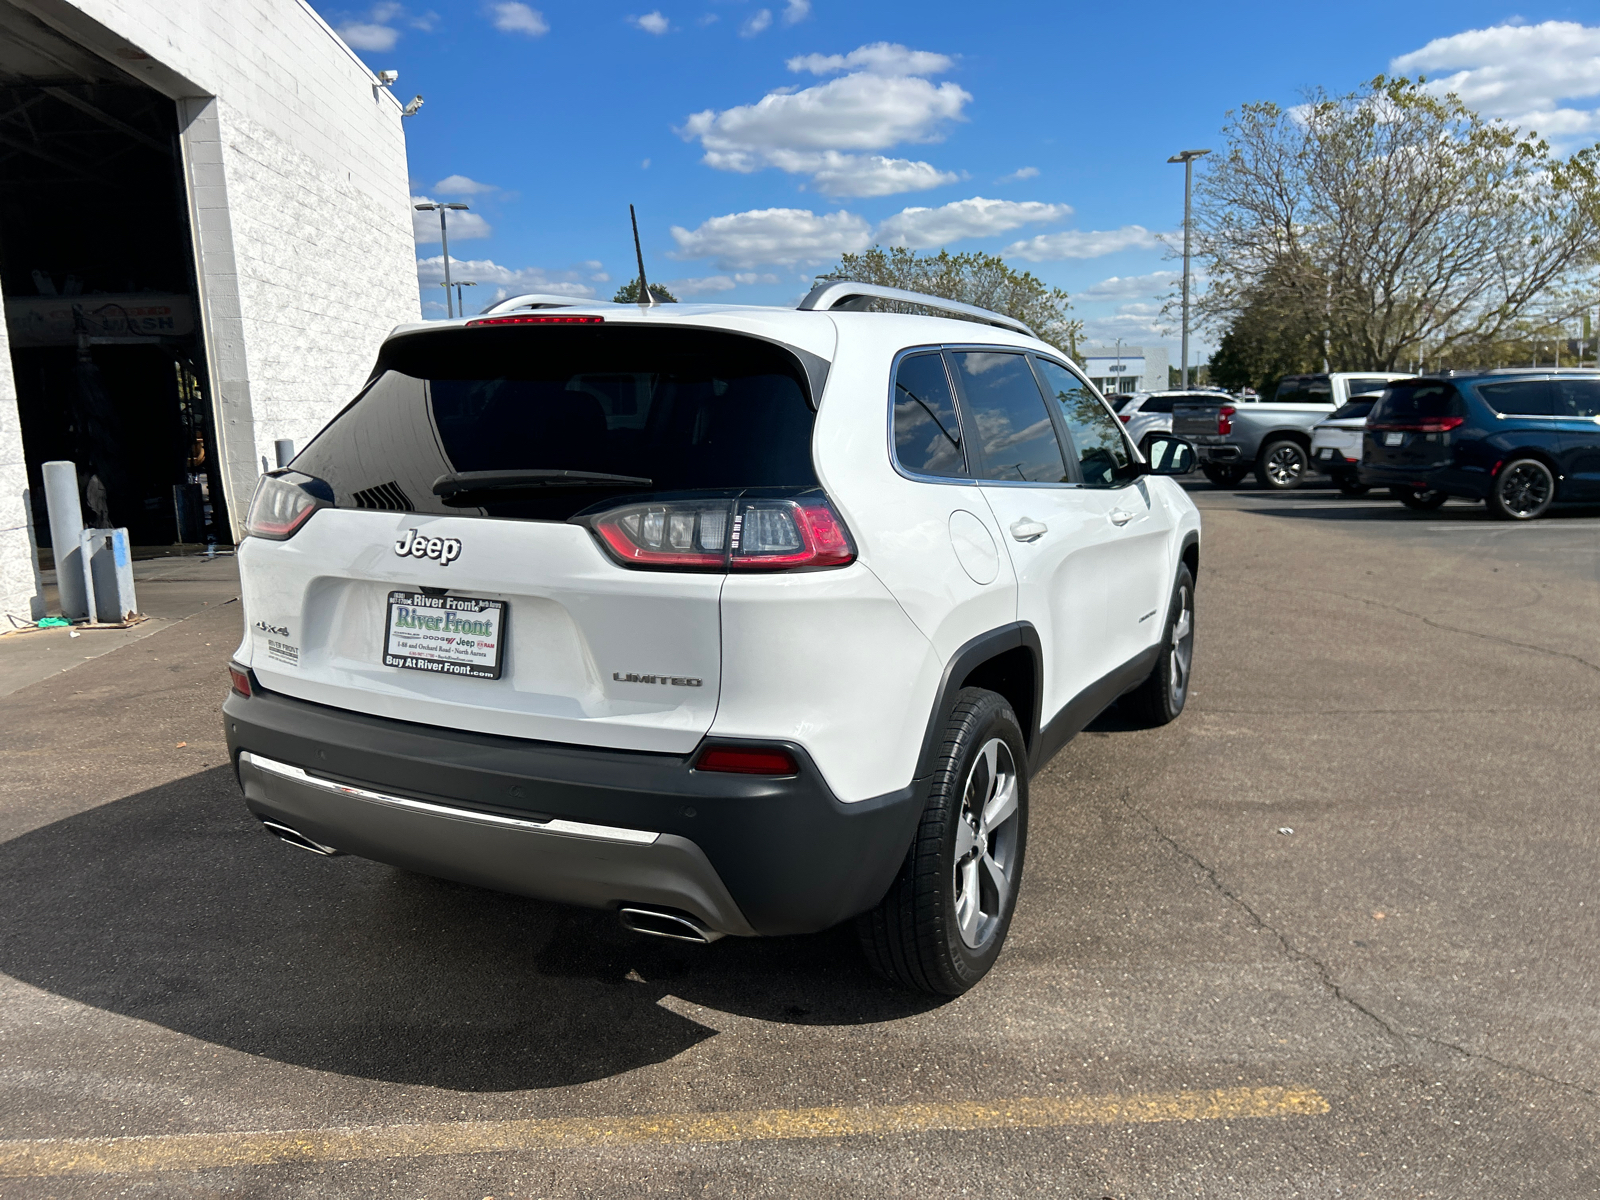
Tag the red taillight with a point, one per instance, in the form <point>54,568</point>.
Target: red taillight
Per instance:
<point>1124,417</point>
<point>1224,425</point>
<point>283,503</point>
<point>1421,425</point>
<point>748,760</point>
<point>718,535</point>
<point>240,679</point>
<point>546,319</point>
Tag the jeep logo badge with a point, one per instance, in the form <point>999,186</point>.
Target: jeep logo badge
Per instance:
<point>415,545</point>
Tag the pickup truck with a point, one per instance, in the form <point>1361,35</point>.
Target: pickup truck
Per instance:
<point>1272,437</point>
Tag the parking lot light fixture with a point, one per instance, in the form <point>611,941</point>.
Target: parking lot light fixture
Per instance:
<point>444,241</point>
<point>461,306</point>
<point>1186,157</point>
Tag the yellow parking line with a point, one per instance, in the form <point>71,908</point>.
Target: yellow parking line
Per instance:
<point>200,1151</point>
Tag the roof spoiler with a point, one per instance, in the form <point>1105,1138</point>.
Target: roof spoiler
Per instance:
<point>845,296</point>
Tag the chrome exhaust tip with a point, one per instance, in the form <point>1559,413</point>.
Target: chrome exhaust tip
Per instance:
<point>659,922</point>
<point>286,833</point>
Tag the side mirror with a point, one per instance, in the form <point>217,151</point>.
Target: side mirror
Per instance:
<point>1169,455</point>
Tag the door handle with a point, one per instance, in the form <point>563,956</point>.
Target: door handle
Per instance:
<point>1026,529</point>
<point>1120,518</point>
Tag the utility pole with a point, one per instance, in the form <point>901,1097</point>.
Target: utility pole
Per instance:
<point>1186,157</point>
<point>444,240</point>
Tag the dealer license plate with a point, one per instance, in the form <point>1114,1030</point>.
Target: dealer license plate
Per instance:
<point>448,635</point>
<point>1393,439</point>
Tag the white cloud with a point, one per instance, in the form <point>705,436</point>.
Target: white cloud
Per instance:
<point>758,23</point>
<point>835,174</point>
<point>784,236</point>
<point>359,35</point>
<point>1127,287</point>
<point>924,227</point>
<point>1083,243</point>
<point>460,185</point>
<point>796,11</point>
<point>464,226</point>
<point>1019,175</point>
<point>512,16</point>
<point>708,285</point>
<point>1518,73</point>
<point>496,283</point>
<point>880,58</point>
<point>651,22</point>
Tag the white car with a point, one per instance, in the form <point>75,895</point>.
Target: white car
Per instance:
<point>1148,413</point>
<point>1336,444</point>
<point>733,620</point>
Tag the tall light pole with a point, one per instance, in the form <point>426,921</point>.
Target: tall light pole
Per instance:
<point>444,240</point>
<point>1119,365</point>
<point>461,283</point>
<point>1186,157</point>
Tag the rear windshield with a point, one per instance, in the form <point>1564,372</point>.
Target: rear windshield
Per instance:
<point>1416,399</point>
<point>1304,389</point>
<point>1362,387</point>
<point>1356,408</point>
<point>1162,404</point>
<point>656,410</point>
<point>1118,403</point>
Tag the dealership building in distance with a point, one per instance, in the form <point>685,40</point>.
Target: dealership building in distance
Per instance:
<point>1126,368</point>
<point>205,233</point>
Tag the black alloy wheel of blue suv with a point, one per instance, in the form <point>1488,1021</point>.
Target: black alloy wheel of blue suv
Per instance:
<point>1520,440</point>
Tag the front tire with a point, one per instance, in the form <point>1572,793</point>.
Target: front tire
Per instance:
<point>1282,465</point>
<point>1523,491</point>
<point>942,924</point>
<point>1160,698</point>
<point>1420,499</point>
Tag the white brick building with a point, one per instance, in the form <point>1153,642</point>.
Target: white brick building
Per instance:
<point>205,231</point>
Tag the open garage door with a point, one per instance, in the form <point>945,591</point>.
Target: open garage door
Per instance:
<point>97,267</point>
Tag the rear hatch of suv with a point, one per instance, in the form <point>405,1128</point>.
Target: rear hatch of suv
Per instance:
<point>522,527</point>
<point>1410,425</point>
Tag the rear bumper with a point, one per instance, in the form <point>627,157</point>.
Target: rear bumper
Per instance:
<point>1220,455</point>
<point>601,828</point>
<point>1473,484</point>
<point>1337,464</point>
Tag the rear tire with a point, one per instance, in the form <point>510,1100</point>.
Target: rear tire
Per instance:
<point>1160,698</point>
<point>1523,491</point>
<point>1223,477</point>
<point>1282,465</point>
<point>1350,485</point>
<point>942,924</point>
<point>1420,499</point>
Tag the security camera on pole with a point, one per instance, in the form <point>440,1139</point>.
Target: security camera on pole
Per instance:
<point>444,239</point>
<point>1186,157</point>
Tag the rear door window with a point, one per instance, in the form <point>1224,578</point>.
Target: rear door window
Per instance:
<point>1520,397</point>
<point>563,418</point>
<point>1015,438</point>
<point>1103,456</point>
<point>1577,397</point>
<point>1304,389</point>
<point>927,432</point>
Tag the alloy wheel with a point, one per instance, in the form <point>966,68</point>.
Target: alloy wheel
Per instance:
<point>1181,649</point>
<point>1524,489</point>
<point>1285,465</point>
<point>986,857</point>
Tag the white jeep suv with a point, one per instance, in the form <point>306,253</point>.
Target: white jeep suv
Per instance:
<point>734,620</point>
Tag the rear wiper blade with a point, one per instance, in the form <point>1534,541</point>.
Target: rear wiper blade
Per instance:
<point>534,477</point>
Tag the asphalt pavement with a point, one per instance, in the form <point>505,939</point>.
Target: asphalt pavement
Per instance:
<point>1332,933</point>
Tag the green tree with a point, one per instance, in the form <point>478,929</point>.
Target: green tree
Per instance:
<point>1390,225</point>
<point>972,278</point>
<point>628,293</point>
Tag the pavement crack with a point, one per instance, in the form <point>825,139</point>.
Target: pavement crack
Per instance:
<point>1403,1037</point>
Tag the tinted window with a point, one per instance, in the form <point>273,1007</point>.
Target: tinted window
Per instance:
<point>1118,403</point>
<point>927,435</point>
<point>675,410</point>
<point>1356,408</point>
<point>1520,397</point>
<point>1577,397</point>
<point>1407,400</point>
<point>1008,418</point>
<point>1103,457</point>
<point>1362,387</point>
<point>1304,389</point>
<point>1157,405</point>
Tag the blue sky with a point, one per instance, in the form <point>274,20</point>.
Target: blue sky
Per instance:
<point>759,138</point>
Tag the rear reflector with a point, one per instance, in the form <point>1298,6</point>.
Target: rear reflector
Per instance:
<point>536,320</point>
<point>240,678</point>
<point>748,760</point>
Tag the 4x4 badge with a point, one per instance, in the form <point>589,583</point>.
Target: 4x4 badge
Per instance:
<point>415,545</point>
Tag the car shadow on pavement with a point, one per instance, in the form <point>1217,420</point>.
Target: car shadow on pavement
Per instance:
<point>174,906</point>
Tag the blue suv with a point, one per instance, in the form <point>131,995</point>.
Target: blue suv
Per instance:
<point>1519,439</point>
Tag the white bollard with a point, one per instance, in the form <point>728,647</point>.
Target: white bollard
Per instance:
<point>66,527</point>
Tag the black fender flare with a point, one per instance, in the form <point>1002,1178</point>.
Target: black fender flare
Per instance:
<point>971,655</point>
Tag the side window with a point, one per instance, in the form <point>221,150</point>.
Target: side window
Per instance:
<point>927,436</point>
<point>1010,424</point>
<point>1577,397</point>
<point>1521,397</point>
<point>1102,452</point>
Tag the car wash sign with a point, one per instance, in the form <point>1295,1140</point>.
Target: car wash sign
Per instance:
<point>61,320</point>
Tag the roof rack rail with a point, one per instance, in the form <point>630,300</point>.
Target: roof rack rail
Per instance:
<point>539,300</point>
<point>845,296</point>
